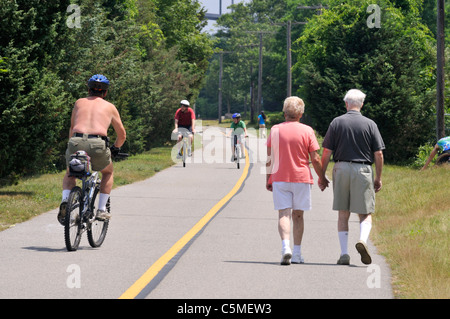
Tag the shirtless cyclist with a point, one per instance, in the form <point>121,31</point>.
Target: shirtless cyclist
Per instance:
<point>91,118</point>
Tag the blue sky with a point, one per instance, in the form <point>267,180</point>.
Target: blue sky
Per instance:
<point>212,6</point>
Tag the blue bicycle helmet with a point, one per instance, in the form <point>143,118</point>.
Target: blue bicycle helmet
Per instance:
<point>98,82</point>
<point>236,115</point>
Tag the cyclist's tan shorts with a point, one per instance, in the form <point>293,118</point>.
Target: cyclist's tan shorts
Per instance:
<point>353,188</point>
<point>95,147</point>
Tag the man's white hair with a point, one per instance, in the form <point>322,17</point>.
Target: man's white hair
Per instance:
<point>354,97</point>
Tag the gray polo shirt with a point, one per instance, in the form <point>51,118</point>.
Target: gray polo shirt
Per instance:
<point>353,137</point>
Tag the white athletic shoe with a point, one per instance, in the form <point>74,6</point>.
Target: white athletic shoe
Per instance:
<point>103,215</point>
<point>297,259</point>
<point>286,255</point>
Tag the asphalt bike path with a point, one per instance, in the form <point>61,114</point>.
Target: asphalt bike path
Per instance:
<point>191,233</point>
<point>238,255</point>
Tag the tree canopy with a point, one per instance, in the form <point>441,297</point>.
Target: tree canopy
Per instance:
<point>152,51</point>
<point>385,49</point>
<point>392,64</point>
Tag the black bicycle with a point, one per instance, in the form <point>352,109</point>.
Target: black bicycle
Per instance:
<point>184,147</point>
<point>444,158</point>
<point>238,145</point>
<point>80,211</point>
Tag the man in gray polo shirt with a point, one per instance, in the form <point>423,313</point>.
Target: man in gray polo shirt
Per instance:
<point>356,143</point>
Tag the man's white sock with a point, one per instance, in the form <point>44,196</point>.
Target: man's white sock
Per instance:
<point>364,230</point>
<point>65,194</point>
<point>343,241</point>
<point>297,250</point>
<point>285,244</point>
<point>102,201</point>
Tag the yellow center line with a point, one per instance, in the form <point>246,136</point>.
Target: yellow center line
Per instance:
<point>151,272</point>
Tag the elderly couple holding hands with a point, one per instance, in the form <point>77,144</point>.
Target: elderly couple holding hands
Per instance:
<point>355,143</point>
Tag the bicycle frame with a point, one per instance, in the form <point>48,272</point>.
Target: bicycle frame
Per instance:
<point>237,148</point>
<point>80,212</point>
<point>88,189</point>
<point>184,146</point>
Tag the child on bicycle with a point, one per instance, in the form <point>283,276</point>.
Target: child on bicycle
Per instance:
<point>239,128</point>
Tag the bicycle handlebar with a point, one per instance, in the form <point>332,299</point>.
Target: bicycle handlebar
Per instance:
<point>119,156</point>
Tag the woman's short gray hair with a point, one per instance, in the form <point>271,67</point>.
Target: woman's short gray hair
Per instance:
<point>294,107</point>
<point>354,97</point>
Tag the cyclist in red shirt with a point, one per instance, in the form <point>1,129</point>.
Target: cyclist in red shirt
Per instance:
<point>185,119</point>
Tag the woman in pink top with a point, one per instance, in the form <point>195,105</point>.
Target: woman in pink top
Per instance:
<point>289,147</point>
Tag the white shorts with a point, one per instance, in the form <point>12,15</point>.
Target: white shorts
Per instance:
<point>291,195</point>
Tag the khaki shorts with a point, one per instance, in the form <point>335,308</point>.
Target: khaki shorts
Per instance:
<point>95,147</point>
<point>353,188</point>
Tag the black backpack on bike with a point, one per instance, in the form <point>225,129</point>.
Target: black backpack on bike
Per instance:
<point>80,164</point>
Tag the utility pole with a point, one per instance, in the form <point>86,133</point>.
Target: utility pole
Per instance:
<point>440,85</point>
<point>221,53</point>
<point>289,55</point>
<point>260,70</point>
<point>220,87</point>
<point>289,59</point>
<point>220,83</point>
<point>289,44</point>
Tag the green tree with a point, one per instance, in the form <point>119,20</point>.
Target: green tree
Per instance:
<point>32,95</point>
<point>45,64</point>
<point>393,65</point>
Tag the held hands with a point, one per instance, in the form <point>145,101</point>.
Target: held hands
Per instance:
<point>323,183</point>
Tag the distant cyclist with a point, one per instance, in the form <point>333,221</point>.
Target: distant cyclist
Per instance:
<point>239,129</point>
<point>91,118</point>
<point>442,145</point>
<point>262,124</point>
<point>185,119</point>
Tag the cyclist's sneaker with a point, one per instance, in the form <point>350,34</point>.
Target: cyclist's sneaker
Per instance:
<point>344,260</point>
<point>362,249</point>
<point>233,158</point>
<point>297,259</point>
<point>286,256</point>
<point>103,215</point>
<point>189,152</point>
<point>62,212</point>
<point>179,155</point>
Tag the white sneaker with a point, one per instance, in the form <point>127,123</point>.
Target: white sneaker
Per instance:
<point>286,255</point>
<point>103,215</point>
<point>297,259</point>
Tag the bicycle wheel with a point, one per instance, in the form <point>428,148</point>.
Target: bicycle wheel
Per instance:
<point>237,155</point>
<point>443,159</point>
<point>72,220</point>
<point>184,153</point>
<point>96,231</point>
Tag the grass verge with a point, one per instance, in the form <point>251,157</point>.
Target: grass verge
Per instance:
<point>410,229</point>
